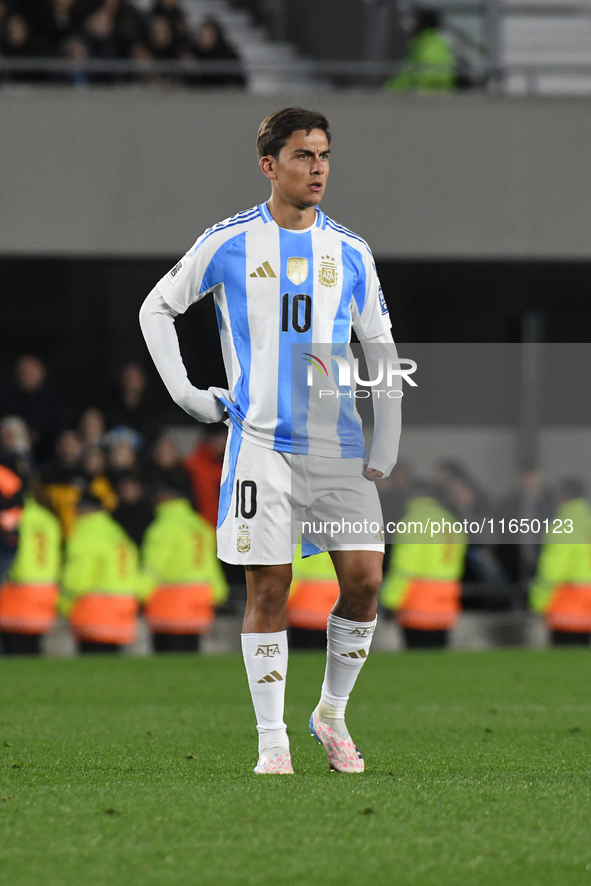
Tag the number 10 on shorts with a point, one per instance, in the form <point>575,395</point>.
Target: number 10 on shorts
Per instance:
<point>246,499</point>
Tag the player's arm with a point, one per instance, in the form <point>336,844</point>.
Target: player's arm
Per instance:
<point>157,324</point>
<point>372,326</point>
<point>387,411</point>
<point>194,276</point>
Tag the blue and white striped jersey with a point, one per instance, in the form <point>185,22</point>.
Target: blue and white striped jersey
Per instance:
<point>275,288</point>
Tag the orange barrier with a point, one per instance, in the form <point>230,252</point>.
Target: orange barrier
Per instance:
<point>570,609</point>
<point>27,608</point>
<point>105,618</point>
<point>310,603</point>
<point>180,609</point>
<point>430,605</point>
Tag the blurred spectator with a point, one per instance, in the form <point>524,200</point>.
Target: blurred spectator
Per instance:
<point>92,427</point>
<point>99,35</point>
<point>204,466</point>
<point>17,42</point>
<point>131,405</point>
<point>468,503</point>
<point>170,10</point>
<point>165,468</point>
<point>102,582</point>
<point>532,500</point>
<point>127,24</point>
<point>57,20</point>
<point>15,445</point>
<point>161,39</point>
<point>134,511</point>
<point>422,584</point>
<point>122,461</point>
<point>208,43</point>
<point>429,64</point>
<point>65,467</point>
<point>11,508</point>
<point>180,551</point>
<point>161,43</point>
<point>74,471</point>
<point>446,471</point>
<point>76,49</point>
<point>94,469</point>
<point>139,52</point>
<point>561,590</point>
<point>28,598</point>
<point>33,398</point>
<point>4,14</point>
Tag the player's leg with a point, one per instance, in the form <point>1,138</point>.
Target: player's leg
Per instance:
<point>255,531</point>
<point>349,634</point>
<point>264,648</point>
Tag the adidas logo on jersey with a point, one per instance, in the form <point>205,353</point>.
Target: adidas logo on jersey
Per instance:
<point>264,271</point>
<point>273,677</point>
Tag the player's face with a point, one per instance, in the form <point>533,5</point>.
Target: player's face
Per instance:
<point>300,172</point>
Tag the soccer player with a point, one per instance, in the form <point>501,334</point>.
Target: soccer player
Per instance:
<point>283,274</point>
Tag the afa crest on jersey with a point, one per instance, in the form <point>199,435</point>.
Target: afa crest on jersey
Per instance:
<point>328,274</point>
<point>297,269</point>
<point>243,539</point>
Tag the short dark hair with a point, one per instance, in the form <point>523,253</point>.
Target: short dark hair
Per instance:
<point>275,130</point>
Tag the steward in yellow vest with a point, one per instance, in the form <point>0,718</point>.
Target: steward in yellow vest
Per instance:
<point>29,595</point>
<point>11,509</point>
<point>561,590</point>
<point>179,550</point>
<point>429,65</point>
<point>313,594</point>
<point>422,584</point>
<point>102,583</point>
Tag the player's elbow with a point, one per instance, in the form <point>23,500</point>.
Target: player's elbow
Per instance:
<point>146,312</point>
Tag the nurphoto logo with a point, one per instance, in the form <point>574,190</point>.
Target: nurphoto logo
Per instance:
<point>387,371</point>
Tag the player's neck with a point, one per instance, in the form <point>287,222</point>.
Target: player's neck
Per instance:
<point>291,217</point>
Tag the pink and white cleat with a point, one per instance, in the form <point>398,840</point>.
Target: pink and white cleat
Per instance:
<point>274,763</point>
<point>343,756</point>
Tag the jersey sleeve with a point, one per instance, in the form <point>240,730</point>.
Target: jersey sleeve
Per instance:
<point>193,276</point>
<point>368,308</point>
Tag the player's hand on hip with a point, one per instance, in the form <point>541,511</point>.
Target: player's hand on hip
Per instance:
<point>371,473</point>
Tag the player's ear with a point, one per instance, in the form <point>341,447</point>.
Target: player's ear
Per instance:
<point>267,165</point>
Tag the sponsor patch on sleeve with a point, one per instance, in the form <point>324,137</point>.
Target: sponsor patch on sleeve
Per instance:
<point>174,272</point>
<point>383,304</point>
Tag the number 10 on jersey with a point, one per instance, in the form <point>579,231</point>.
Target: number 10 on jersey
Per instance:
<point>246,499</point>
<point>301,304</point>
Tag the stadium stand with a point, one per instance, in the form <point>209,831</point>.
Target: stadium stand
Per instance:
<point>196,43</point>
<point>546,47</point>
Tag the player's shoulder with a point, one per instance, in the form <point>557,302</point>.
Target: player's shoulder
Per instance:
<point>350,237</point>
<point>229,228</point>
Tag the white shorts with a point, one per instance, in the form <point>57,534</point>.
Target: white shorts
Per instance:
<point>267,498</point>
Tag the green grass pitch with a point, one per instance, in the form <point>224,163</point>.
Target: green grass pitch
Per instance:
<point>119,771</point>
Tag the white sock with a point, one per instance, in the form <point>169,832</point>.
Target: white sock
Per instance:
<point>348,645</point>
<point>265,659</point>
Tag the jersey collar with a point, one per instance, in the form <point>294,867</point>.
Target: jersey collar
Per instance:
<point>267,218</point>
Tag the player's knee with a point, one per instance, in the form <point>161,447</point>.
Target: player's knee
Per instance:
<point>270,598</point>
<point>365,585</point>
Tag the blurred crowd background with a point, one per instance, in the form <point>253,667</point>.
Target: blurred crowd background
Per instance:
<point>128,127</point>
<point>120,457</point>
<point>107,30</point>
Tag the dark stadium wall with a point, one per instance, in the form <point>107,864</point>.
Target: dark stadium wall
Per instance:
<point>82,315</point>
